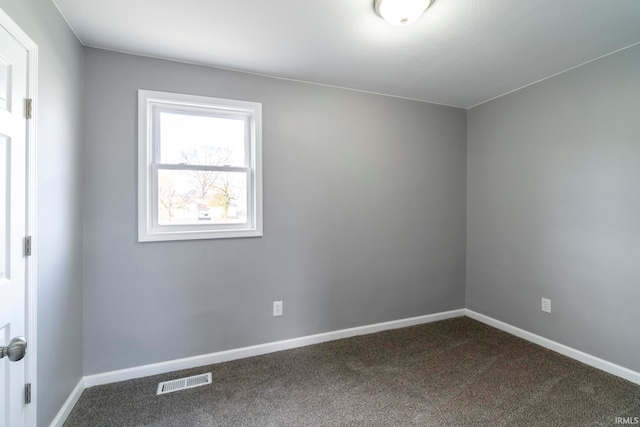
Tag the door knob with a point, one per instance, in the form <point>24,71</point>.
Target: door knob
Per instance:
<point>16,349</point>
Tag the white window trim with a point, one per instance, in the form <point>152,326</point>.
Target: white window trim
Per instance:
<point>148,229</point>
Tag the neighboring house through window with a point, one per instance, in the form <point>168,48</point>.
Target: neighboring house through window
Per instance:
<point>199,167</point>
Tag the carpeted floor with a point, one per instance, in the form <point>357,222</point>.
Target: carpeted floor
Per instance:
<point>456,372</point>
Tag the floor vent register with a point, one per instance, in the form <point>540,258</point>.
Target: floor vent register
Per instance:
<point>184,383</point>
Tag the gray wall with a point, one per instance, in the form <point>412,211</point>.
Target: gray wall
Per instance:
<point>364,219</point>
<point>554,208</point>
<point>59,201</point>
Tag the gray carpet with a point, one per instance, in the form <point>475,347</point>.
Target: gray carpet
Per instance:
<point>456,372</point>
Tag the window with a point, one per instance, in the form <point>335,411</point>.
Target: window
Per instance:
<point>199,167</point>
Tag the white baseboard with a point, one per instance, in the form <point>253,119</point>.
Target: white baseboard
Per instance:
<point>578,355</point>
<point>71,401</point>
<point>257,350</point>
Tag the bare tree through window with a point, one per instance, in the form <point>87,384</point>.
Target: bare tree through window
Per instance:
<point>205,180</point>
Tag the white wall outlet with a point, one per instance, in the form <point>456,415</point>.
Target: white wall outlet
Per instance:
<point>277,308</point>
<point>546,305</point>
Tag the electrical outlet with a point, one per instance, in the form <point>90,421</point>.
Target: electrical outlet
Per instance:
<point>546,305</point>
<point>277,308</point>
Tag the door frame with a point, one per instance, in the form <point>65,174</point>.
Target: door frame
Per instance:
<point>31,308</point>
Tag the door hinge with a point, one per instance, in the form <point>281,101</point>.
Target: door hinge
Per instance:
<point>27,246</point>
<point>28,107</point>
<point>27,393</point>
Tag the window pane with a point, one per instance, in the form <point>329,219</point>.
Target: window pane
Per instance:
<point>201,197</point>
<point>202,140</point>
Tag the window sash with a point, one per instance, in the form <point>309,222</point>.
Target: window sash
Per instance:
<point>214,112</point>
<point>155,211</point>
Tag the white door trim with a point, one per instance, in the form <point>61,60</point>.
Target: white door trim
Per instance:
<point>31,272</point>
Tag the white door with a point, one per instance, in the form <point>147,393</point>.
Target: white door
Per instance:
<point>13,126</point>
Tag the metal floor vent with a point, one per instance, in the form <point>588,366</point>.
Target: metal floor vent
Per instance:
<point>184,383</point>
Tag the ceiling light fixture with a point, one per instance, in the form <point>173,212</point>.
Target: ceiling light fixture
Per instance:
<point>401,12</point>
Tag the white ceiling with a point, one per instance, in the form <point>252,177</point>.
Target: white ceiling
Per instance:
<point>460,53</point>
